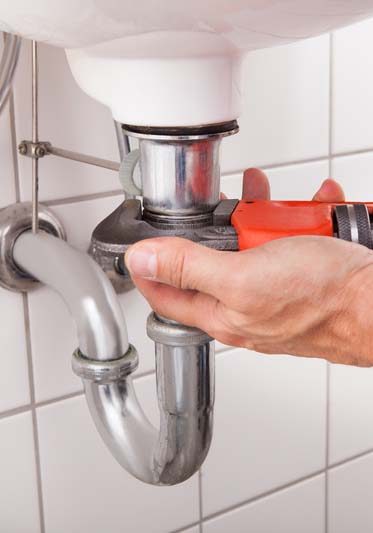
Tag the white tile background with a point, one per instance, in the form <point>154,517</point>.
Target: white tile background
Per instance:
<point>293,444</point>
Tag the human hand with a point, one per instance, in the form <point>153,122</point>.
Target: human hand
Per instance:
<point>304,296</point>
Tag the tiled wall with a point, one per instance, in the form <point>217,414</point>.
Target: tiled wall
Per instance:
<point>293,444</point>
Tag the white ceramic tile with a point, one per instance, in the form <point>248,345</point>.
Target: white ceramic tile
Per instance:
<point>14,382</point>
<point>18,492</point>
<point>285,114</point>
<point>298,509</point>
<point>351,409</point>
<point>53,340</point>
<point>350,490</point>
<point>293,182</point>
<point>352,87</point>
<point>270,426</point>
<point>80,219</point>
<point>97,494</point>
<point>52,330</point>
<point>69,119</point>
<point>355,173</point>
<point>297,182</point>
<point>192,530</point>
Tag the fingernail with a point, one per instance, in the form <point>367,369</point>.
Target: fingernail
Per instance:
<point>142,262</point>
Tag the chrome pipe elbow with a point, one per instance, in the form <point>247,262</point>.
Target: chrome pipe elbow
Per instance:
<point>185,385</point>
<point>105,362</point>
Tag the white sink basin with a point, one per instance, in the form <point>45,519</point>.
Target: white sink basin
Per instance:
<point>247,24</point>
<point>167,62</point>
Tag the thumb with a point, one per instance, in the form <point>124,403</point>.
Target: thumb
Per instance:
<point>180,263</point>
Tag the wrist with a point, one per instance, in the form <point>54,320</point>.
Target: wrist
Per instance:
<point>358,316</point>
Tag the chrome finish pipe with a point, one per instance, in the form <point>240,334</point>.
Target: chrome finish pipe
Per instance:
<point>8,65</point>
<point>185,384</point>
<point>83,286</point>
<point>190,171</point>
<point>180,168</point>
<point>105,360</point>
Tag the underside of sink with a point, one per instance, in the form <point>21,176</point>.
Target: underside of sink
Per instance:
<point>247,24</point>
<point>169,63</point>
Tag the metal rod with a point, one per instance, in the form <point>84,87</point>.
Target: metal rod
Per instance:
<point>35,139</point>
<point>82,158</point>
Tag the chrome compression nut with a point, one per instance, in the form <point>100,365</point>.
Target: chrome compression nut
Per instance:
<point>103,372</point>
<point>171,333</point>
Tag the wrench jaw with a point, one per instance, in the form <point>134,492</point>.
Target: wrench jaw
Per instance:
<point>129,224</point>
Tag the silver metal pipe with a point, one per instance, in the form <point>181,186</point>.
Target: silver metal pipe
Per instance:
<point>184,364</point>
<point>185,384</point>
<point>83,286</point>
<point>35,135</point>
<point>180,168</point>
<point>8,65</point>
<point>190,176</point>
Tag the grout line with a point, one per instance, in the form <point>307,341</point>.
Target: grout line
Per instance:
<point>350,459</point>
<point>26,318</point>
<point>264,495</point>
<point>143,374</point>
<point>294,162</point>
<point>327,447</point>
<point>277,489</point>
<point>33,411</point>
<point>328,372</point>
<point>200,500</point>
<point>44,403</point>
<point>331,101</point>
<point>185,528</point>
<point>57,399</point>
<point>83,198</point>
<point>272,166</point>
<point>15,411</point>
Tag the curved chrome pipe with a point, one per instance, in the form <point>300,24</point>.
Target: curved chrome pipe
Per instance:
<point>8,65</point>
<point>83,286</point>
<point>184,356</point>
<point>185,383</point>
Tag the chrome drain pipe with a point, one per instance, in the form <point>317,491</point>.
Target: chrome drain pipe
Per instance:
<point>185,370</point>
<point>105,362</point>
